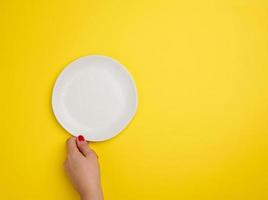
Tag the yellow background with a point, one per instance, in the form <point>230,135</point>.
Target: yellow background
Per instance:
<point>201,69</point>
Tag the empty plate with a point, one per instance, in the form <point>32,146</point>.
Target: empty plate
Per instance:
<point>94,96</point>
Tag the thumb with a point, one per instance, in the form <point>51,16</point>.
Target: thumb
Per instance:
<point>82,145</point>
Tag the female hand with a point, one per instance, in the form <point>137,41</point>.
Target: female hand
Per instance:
<point>82,166</point>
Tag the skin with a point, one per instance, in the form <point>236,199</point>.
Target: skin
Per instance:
<point>83,169</point>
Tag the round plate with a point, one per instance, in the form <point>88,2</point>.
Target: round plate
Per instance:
<point>94,96</point>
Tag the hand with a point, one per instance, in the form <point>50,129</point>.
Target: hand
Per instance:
<point>82,166</point>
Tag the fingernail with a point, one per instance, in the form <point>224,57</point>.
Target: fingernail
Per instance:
<point>81,138</point>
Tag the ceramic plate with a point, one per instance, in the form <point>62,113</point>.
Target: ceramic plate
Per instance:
<point>94,96</point>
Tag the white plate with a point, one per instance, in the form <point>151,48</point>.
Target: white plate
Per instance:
<point>94,96</point>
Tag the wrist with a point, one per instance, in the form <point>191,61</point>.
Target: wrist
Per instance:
<point>96,195</point>
<point>91,197</point>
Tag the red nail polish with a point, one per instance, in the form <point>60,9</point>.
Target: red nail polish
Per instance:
<point>81,138</point>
